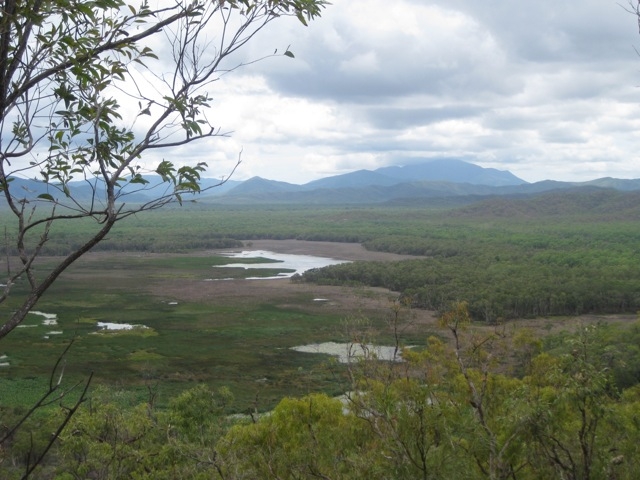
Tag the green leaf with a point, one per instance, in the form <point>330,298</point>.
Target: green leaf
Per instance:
<point>166,170</point>
<point>139,179</point>
<point>46,196</point>
<point>289,54</point>
<point>301,18</point>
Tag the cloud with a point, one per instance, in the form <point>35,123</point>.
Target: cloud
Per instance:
<point>368,49</point>
<point>547,88</point>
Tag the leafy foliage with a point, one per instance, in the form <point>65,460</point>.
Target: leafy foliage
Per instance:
<point>71,75</point>
<point>448,410</point>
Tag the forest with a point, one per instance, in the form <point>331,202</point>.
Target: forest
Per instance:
<point>552,254</point>
<point>530,368</point>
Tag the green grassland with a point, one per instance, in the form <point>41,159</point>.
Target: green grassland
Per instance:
<point>507,262</point>
<point>243,345</point>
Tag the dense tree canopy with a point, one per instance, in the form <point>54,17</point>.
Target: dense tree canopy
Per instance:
<point>451,410</point>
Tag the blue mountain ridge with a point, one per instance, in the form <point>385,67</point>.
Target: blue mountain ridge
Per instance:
<point>440,178</point>
<point>447,170</point>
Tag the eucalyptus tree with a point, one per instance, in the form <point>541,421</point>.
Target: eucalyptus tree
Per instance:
<point>88,91</point>
<point>93,91</point>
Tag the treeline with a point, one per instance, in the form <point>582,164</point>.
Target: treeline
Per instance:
<point>159,245</point>
<point>450,411</point>
<point>167,245</point>
<point>195,227</point>
<point>496,289</point>
<point>507,274</point>
<point>505,266</point>
<point>131,242</point>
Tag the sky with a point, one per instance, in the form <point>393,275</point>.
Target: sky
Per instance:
<point>546,89</point>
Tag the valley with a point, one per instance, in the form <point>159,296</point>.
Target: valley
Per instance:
<point>207,322</point>
<point>174,309</point>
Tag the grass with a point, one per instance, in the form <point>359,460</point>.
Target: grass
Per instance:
<point>243,341</point>
<point>243,345</point>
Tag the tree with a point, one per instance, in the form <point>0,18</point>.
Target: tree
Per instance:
<point>574,401</point>
<point>70,73</point>
<point>111,441</point>
<point>85,96</point>
<point>310,437</point>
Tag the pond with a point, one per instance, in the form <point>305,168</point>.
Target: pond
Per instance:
<point>49,319</point>
<point>117,326</point>
<point>298,264</point>
<point>349,352</point>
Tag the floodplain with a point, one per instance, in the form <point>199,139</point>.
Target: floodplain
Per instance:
<point>195,319</point>
<point>201,320</point>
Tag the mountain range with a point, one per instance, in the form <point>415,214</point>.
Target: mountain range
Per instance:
<point>435,182</point>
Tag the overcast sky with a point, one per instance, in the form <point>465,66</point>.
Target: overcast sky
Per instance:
<point>547,89</point>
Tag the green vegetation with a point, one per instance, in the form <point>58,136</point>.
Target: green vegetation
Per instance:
<point>507,268</point>
<point>451,410</point>
<point>166,392</point>
<point>471,399</point>
<point>506,265</point>
<point>243,345</point>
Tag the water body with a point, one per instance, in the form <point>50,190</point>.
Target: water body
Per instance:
<point>117,326</point>
<point>349,352</point>
<point>297,263</point>
<point>49,318</point>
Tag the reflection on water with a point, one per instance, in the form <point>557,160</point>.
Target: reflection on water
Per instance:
<point>49,318</point>
<point>348,352</point>
<point>118,326</point>
<point>298,264</point>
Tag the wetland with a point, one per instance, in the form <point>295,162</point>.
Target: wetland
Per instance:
<point>239,333</point>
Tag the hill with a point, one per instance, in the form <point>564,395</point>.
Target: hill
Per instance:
<point>588,200</point>
<point>452,170</point>
<point>359,178</point>
<point>259,186</point>
<point>437,183</point>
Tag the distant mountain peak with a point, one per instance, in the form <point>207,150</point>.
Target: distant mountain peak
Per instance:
<point>443,181</point>
<point>452,170</point>
<point>259,185</point>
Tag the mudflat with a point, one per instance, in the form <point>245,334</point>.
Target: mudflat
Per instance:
<point>339,300</point>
